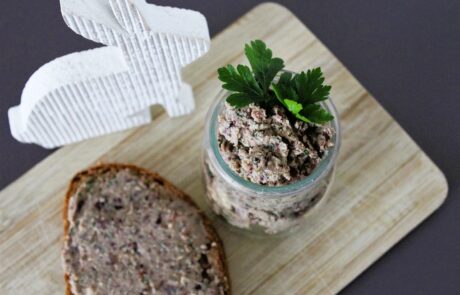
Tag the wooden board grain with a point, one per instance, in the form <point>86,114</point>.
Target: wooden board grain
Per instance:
<point>384,185</point>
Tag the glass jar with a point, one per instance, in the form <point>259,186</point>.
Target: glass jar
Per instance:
<point>258,208</point>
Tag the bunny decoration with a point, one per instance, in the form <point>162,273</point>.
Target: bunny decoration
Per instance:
<point>107,89</point>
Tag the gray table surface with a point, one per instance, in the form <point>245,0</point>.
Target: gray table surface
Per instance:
<point>406,53</point>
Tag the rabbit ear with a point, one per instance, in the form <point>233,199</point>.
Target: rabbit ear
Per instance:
<point>129,16</point>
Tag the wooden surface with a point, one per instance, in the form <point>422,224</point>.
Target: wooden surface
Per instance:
<point>384,186</point>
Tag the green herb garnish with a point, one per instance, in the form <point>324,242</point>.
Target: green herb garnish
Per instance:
<point>300,93</point>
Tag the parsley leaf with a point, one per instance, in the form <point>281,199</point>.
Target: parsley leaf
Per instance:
<point>316,114</point>
<point>305,90</point>
<point>295,108</point>
<point>300,93</point>
<point>242,82</point>
<point>283,89</point>
<point>239,100</point>
<point>310,86</point>
<point>264,66</point>
<point>251,86</point>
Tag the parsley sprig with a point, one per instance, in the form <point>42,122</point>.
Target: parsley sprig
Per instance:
<point>300,94</point>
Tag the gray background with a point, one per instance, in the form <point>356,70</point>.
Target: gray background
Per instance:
<point>405,52</point>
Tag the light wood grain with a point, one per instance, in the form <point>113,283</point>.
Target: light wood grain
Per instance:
<point>384,187</point>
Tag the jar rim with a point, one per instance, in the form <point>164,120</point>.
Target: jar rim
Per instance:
<point>325,165</point>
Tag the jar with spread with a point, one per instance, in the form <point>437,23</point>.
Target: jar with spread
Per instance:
<point>263,171</point>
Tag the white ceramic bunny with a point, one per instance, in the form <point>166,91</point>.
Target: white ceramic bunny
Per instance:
<point>103,90</point>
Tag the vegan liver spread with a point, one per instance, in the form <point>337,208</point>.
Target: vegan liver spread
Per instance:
<point>129,234</point>
<point>269,149</point>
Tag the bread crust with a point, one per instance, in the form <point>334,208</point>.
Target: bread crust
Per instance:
<point>102,168</point>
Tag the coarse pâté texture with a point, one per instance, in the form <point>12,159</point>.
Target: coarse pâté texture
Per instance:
<point>273,132</point>
<point>266,148</point>
<point>128,231</point>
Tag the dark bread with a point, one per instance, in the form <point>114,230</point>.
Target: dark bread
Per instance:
<point>217,258</point>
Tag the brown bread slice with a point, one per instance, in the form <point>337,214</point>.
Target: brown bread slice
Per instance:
<point>129,231</point>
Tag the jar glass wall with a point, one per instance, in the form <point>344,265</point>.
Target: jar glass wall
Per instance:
<point>259,208</point>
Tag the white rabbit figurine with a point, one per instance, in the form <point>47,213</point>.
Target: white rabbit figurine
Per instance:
<point>107,89</point>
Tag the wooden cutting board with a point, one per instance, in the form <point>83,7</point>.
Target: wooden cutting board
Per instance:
<point>384,187</point>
